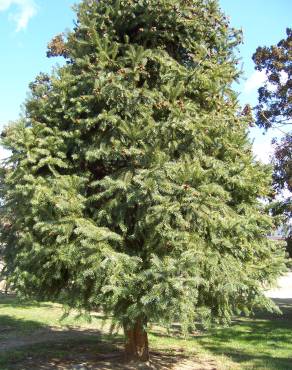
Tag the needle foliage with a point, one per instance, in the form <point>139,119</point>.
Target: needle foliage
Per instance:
<point>131,185</point>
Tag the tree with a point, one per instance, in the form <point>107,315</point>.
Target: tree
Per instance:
<point>282,181</point>
<point>274,110</point>
<point>131,187</point>
<point>275,98</point>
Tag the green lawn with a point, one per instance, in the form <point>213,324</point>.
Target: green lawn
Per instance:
<point>264,342</point>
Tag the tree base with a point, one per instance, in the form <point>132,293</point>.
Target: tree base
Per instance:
<point>136,347</point>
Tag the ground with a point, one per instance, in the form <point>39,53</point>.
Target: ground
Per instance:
<point>38,336</point>
<point>33,337</point>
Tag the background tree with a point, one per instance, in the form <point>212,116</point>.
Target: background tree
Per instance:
<point>274,110</point>
<point>282,177</point>
<point>275,96</point>
<point>131,187</point>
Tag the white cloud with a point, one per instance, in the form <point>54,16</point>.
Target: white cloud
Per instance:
<point>256,80</point>
<point>263,151</point>
<point>27,9</point>
<point>283,77</point>
<point>4,153</point>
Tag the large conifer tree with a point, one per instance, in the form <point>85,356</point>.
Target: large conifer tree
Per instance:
<point>131,186</point>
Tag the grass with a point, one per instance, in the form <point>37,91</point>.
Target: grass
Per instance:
<point>42,314</point>
<point>263,342</point>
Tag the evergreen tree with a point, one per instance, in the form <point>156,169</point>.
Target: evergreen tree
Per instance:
<point>131,186</point>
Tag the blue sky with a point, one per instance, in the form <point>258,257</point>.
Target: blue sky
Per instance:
<point>26,26</point>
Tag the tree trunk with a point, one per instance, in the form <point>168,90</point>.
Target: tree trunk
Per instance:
<point>136,347</point>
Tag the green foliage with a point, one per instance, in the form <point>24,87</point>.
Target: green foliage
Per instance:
<point>131,186</point>
<point>275,103</point>
<point>273,110</point>
<point>282,181</point>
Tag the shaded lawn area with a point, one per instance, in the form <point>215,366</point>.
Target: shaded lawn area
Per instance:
<point>264,342</point>
<point>33,337</point>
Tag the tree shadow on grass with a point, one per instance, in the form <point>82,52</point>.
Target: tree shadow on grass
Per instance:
<point>264,341</point>
<point>259,362</point>
<point>10,326</point>
<point>261,342</point>
<point>29,345</point>
<point>285,306</point>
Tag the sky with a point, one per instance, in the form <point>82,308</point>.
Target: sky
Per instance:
<point>26,27</point>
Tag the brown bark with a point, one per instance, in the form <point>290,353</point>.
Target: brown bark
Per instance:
<point>136,347</point>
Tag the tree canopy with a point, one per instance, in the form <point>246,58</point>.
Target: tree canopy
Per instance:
<point>275,110</point>
<point>275,96</point>
<point>282,182</point>
<point>131,186</point>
